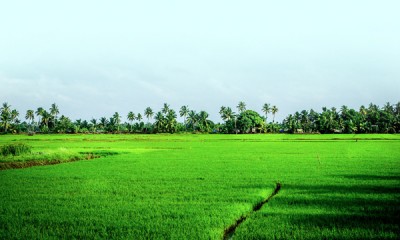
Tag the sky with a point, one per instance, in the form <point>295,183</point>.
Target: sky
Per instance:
<point>94,58</point>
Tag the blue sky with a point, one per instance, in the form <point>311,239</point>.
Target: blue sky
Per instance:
<point>94,58</point>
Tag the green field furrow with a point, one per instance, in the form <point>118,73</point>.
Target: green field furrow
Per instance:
<point>195,186</point>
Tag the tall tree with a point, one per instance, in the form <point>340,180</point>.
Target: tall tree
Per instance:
<point>139,117</point>
<point>165,108</point>
<point>93,122</point>
<point>159,122</point>
<point>30,116</point>
<point>117,120</point>
<point>183,112</point>
<point>148,112</point>
<point>241,107</point>
<point>54,111</point>
<point>274,110</point>
<point>266,109</point>
<point>39,112</point>
<point>5,112</point>
<point>192,120</point>
<point>171,123</point>
<point>203,121</point>
<point>131,118</point>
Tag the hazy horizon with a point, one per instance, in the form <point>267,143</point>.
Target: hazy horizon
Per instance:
<point>95,58</point>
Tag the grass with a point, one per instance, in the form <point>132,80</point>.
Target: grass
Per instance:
<point>195,186</point>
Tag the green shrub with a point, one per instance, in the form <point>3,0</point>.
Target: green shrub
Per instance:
<point>15,149</point>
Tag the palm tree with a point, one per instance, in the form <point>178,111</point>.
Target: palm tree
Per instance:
<point>54,110</point>
<point>165,108</point>
<point>183,112</point>
<point>227,114</point>
<point>117,120</point>
<point>5,115</point>
<point>148,112</point>
<point>192,119</point>
<point>274,110</point>
<point>103,122</point>
<point>222,110</point>
<point>241,107</point>
<point>266,109</point>
<point>94,124</point>
<point>171,121</point>
<point>203,121</point>
<point>46,116</point>
<point>131,117</point>
<point>159,121</point>
<point>39,112</point>
<point>139,117</point>
<point>30,115</point>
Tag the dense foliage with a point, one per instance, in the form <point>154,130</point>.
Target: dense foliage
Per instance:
<point>371,119</point>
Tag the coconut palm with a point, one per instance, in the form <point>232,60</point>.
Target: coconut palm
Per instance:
<point>117,120</point>
<point>5,116</point>
<point>241,107</point>
<point>274,110</point>
<point>159,121</point>
<point>171,122</point>
<point>203,121</point>
<point>222,110</point>
<point>165,108</point>
<point>148,112</point>
<point>183,112</point>
<point>266,109</point>
<point>103,122</point>
<point>30,115</point>
<point>39,113</point>
<point>46,116</point>
<point>139,117</point>
<point>192,119</point>
<point>93,121</point>
<point>54,110</point>
<point>131,117</point>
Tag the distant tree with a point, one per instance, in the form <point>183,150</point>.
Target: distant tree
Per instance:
<point>139,117</point>
<point>159,122</point>
<point>171,122</point>
<point>274,110</point>
<point>266,109</point>
<point>54,111</point>
<point>30,116</point>
<point>183,112</point>
<point>46,117</point>
<point>5,116</point>
<point>165,108</point>
<point>39,113</point>
<point>103,123</point>
<point>192,120</point>
<point>131,118</point>
<point>148,112</point>
<point>93,123</point>
<point>241,107</point>
<point>117,120</point>
<point>203,121</point>
<point>249,120</point>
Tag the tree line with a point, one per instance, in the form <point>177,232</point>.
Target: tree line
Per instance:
<point>371,119</point>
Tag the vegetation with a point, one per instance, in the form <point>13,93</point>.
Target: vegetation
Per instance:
<point>15,149</point>
<point>371,119</point>
<point>195,186</point>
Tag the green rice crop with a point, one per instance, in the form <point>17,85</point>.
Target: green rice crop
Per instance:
<point>195,186</point>
<point>14,149</point>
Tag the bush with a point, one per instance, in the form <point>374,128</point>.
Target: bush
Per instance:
<point>15,149</point>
